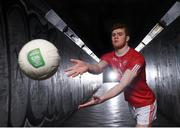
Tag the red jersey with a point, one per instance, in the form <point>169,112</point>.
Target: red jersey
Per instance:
<point>138,94</point>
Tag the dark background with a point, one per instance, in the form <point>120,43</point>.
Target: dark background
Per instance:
<point>91,20</point>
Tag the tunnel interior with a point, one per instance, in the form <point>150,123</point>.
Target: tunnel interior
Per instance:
<point>50,102</point>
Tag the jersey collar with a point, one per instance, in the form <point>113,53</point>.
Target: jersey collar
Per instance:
<point>120,55</point>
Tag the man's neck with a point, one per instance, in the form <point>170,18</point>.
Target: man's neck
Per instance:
<point>122,51</point>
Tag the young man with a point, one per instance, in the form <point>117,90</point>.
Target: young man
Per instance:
<point>130,66</point>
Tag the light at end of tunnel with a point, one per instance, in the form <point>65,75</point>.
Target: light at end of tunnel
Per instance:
<point>113,76</point>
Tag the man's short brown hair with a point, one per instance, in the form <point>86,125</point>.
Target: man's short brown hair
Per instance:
<point>120,25</point>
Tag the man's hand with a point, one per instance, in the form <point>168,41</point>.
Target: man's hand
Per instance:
<point>95,100</point>
<point>79,68</point>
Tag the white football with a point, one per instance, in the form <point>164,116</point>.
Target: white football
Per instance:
<point>39,59</point>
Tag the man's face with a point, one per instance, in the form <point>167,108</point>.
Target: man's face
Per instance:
<point>119,38</point>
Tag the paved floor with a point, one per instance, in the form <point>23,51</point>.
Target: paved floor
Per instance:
<point>112,113</point>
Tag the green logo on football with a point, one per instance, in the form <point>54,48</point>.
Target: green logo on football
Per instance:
<point>35,58</point>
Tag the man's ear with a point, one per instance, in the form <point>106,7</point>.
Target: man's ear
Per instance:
<point>127,38</point>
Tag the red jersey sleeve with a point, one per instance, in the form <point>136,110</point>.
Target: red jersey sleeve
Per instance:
<point>136,64</point>
<point>106,58</point>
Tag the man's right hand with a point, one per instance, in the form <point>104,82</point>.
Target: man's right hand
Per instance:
<point>94,100</point>
<point>79,68</point>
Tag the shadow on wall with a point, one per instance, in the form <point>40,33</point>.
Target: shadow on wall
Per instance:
<point>26,102</point>
<point>163,70</point>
